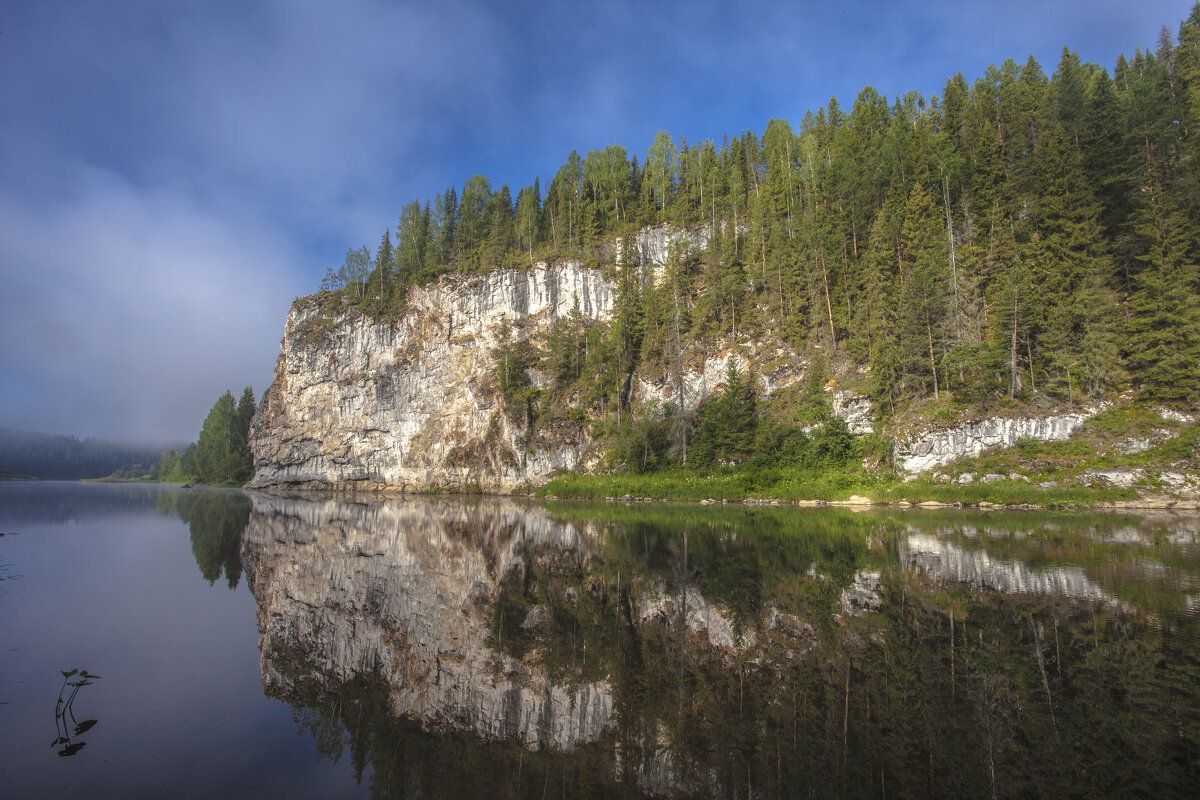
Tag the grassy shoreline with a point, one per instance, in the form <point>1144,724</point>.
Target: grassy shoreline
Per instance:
<point>742,486</point>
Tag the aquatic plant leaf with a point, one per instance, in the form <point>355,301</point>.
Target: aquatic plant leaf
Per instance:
<point>72,749</point>
<point>84,726</point>
<point>66,674</point>
<point>59,740</point>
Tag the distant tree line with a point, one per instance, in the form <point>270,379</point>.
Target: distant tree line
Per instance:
<point>53,457</point>
<point>221,454</point>
<point>1020,234</point>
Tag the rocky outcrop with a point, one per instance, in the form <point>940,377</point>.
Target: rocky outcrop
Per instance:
<point>924,451</point>
<point>400,592</point>
<point>702,375</point>
<point>855,410</point>
<point>862,595</point>
<point>412,404</point>
<point>653,246</point>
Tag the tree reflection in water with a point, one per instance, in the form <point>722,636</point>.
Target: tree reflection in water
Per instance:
<point>489,648</point>
<point>216,520</point>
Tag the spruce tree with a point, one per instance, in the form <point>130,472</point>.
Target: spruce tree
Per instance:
<point>1164,342</point>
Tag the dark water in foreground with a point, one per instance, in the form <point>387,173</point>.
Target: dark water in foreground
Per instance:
<point>262,646</point>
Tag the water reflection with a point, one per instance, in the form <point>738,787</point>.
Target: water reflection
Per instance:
<point>215,520</point>
<point>948,562</point>
<point>490,647</point>
<point>109,582</point>
<point>402,592</point>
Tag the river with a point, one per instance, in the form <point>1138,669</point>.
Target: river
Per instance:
<point>214,643</point>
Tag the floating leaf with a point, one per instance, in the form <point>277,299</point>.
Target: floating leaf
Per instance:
<point>59,740</point>
<point>84,726</point>
<point>68,674</point>
<point>72,749</point>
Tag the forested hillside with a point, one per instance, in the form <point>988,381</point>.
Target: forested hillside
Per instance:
<point>26,454</point>
<point>1019,234</point>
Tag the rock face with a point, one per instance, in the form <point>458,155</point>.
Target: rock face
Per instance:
<point>654,246</point>
<point>931,449</point>
<point>855,410</point>
<point>701,376</point>
<point>399,591</point>
<point>412,404</point>
<point>862,595</point>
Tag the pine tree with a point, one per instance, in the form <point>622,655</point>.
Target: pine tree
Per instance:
<point>219,437</point>
<point>728,422</point>
<point>1072,270</point>
<point>1164,342</point>
<point>628,325</point>
<point>383,281</point>
<point>661,165</point>
<point>924,287</point>
<point>527,218</point>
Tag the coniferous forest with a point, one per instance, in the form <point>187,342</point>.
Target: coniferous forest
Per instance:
<point>221,453</point>
<point>1030,232</point>
<point>219,456</point>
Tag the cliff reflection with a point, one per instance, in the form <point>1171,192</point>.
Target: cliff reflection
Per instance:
<point>488,647</point>
<point>402,591</point>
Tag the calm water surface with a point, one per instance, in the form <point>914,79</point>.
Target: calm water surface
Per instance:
<point>265,645</point>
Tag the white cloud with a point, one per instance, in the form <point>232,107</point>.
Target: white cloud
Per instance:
<point>127,311</point>
<point>165,171</point>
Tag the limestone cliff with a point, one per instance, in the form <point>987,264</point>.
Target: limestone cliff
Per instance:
<point>411,403</point>
<point>928,450</point>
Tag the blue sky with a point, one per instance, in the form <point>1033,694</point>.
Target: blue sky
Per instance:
<point>173,174</point>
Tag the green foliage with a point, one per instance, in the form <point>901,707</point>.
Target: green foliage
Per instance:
<point>728,422</point>
<point>514,358</point>
<point>222,454</point>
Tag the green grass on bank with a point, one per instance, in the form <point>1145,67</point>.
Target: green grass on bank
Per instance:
<point>791,486</point>
<point>1006,493</point>
<point>720,484</point>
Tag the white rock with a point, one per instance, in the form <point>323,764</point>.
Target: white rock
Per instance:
<point>930,449</point>
<point>411,404</point>
<point>862,595</point>
<point>855,410</point>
